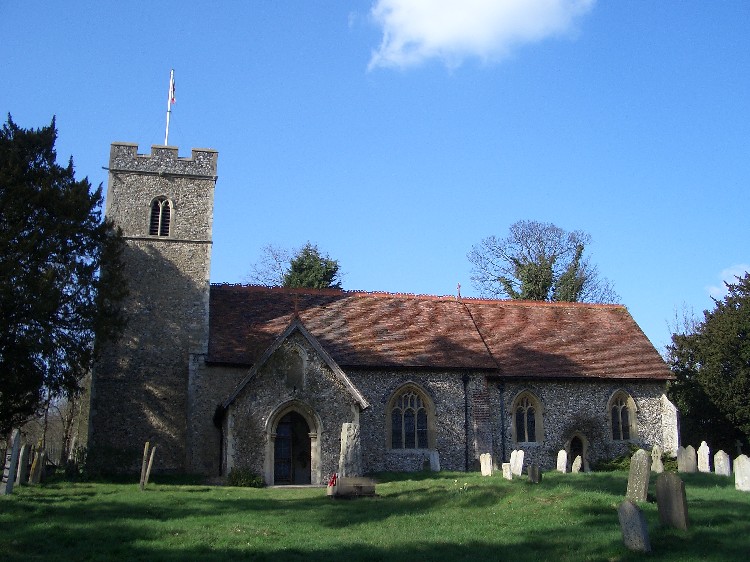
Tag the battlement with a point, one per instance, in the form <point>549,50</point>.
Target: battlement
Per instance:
<point>163,160</point>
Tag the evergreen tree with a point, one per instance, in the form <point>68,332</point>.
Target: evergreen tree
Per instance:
<point>53,298</point>
<point>538,261</point>
<point>312,270</point>
<point>712,366</point>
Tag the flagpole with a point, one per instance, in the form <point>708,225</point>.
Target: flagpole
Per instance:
<point>170,101</point>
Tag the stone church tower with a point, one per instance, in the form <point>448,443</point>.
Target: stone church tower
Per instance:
<point>140,390</point>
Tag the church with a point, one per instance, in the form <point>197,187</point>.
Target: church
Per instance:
<point>226,377</point>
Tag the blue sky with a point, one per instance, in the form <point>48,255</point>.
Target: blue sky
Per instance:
<point>396,134</point>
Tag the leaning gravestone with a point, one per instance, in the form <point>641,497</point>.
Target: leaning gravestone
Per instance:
<point>671,501</point>
<point>704,454</point>
<point>577,463</point>
<point>535,475</point>
<point>638,477</point>
<point>634,527</point>
<point>37,467</point>
<point>721,464</point>
<point>485,461</point>
<point>517,468</point>
<point>22,476</point>
<point>350,457</point>
<point>742,473</point>
<point>507,472</point>
<point>562,461</point>
<point>11,463</point>
<point>656,463</point>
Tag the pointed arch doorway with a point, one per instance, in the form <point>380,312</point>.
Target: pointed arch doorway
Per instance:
<point>292,452</point>
<point>293,445</point>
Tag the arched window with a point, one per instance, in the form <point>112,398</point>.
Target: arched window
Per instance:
<point>410,420</point>
<point>527,419</point>
<point>622,415</point>
<point>161,217</point>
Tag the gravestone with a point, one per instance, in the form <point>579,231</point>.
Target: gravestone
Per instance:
<point>634,527</point>
<point>535,475</point>
<point>562,461</point>
<point>11,463</point>
<point>638,477</point>
<point>576,468</point>
<point>671,501</point>
<point>434,461</point>
<point>485,461</point>
<point>703,457</point>
<point>507,472</point>
<point>350,457</point>
<point>37,467</point>
<point>22,475</point>
<point>517,467</point>
<point>513,455</point>
<point>686,461</point>
<point>742,473</point>
<point>722,465</point>
<point>656,463</point>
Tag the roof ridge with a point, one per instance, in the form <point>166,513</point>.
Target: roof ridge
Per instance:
<point>416,296</point>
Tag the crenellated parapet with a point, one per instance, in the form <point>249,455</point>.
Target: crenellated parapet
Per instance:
<point>163,160</point>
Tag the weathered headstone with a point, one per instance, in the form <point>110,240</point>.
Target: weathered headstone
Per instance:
<point>562,461</point>
<point>350,457</point>
<point>704,454</point>
<point>485,460</point>
<point>22,475</point>
<point>686,461</point>
<point>742,473</point>
<point>513,455</point>
<point>657,465</point>
<point>722,465</point>
<point>634,527</point>
<point>507,472</point>
<point>11,463</point>
<point>37,467</point>
<point>434,461</point>
<point>671,501</point>
<point>517,467</point>
<point>638,477</point>
<point>535,475</point>
<point>576,466</point>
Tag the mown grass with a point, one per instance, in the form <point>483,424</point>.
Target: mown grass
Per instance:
<point>448,516</point>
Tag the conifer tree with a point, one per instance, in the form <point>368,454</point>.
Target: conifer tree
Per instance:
<point>54,295</point>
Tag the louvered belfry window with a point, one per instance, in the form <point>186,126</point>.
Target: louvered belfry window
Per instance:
<point>161,217</point>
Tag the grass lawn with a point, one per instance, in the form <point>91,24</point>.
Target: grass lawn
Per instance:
<point>443,516</point>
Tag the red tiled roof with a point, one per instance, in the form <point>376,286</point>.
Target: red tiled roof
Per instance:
<point>512,338</point>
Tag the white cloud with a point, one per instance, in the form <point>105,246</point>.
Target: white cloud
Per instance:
<point>729,275</point>
<point>453,30</point>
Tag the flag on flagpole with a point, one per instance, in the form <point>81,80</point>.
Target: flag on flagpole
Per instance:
<point>171,87</point>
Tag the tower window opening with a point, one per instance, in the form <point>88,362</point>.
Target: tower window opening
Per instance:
<point>161,217</point>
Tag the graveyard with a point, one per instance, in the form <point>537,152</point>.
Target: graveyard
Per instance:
<point>413,516</point>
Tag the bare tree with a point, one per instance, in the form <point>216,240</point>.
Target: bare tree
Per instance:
<point>272,266</point>
<point>538,261</point>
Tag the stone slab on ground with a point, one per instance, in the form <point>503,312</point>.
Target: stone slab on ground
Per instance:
<point>352,487</point>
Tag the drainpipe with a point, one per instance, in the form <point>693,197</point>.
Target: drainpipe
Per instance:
<point>466,422</point>
<point>501,388</point>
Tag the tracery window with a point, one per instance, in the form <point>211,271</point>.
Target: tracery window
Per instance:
<point>527,419</point>
<point>409,421</point>
<point>161,217</point>
<point>622,416</point>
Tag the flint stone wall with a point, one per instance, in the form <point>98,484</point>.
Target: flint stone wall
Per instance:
<point>140,385</point>
<point>575,406</point>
